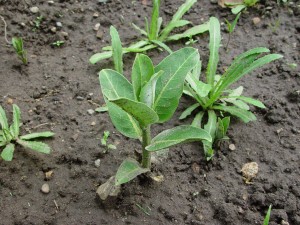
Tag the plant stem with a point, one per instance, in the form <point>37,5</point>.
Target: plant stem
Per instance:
<point>146,155</point>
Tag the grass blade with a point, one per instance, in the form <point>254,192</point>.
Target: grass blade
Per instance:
<point>37,135</point>
<point>267,218</point>
<point>117,51</point>
<point>189,33</point>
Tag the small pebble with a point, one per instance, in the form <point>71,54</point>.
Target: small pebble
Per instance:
<point>45,188</point>
<point>79,98</point>
<point>97,163</point>
<point>10,101</point>
<point>99,34</point>
<point>97,26</point>
<point>232,147</point>
<point>34,9</point>
<point>256,20</point>
<point>93,123</point>
<point>50,2</point>
<point>58,24</point>
<point>64,34</point>
<point>95,15</point>
<point>48,175</point>
<point>23,24</point>
<point>75,137</point>
<point>90,111</point>
<point>53,29</point>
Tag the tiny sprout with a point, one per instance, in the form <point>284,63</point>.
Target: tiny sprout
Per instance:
<point>19,48</point>
<point>104,141</point>
<point>58,43</point>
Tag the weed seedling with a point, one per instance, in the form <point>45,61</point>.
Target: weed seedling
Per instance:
<point>215,95</point>
<point>154,35</point>
<point>230,28</point>
<point>57,43</point>
<point>10,135</point>
<point>37,23</point>
<point>151,98</point>
<point>267,218</point>
<point>239,7</point>
<point>18,45</point>
<point>104,141</point>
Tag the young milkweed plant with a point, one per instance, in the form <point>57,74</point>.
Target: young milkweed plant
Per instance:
<point>10,135</point>
<point>154,35</point>
<point>214,97</point>
<point>151,98</point>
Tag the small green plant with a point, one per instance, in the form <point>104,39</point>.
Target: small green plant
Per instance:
<point>151,98</point>
<point>9,136</point>
<point>243,5</point>
<point>231,27</point>
<point>104,141</point>
<point>37,23</point>
<point>18,45</point>
<point>267,218</point>
<point>215,95</point>
<point>57,43</point>
<point>154,35</point>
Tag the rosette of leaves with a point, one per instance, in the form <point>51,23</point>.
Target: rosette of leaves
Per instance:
<point>151,97</point>
<point>156,36</point>
<point>214,97</point>
<point>10,136</point>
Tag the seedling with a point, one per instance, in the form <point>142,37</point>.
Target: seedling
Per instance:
<point>230,27</point>
<point>214,97</point>
<point>267,218</point>
<point>57,43</point>
<point>154,35</point>
<point>37,22</point>
<point>18,45</point>
<point>243,5</point>
<point>104,141</point>
<point>10,136</point>
<point>151,98</point>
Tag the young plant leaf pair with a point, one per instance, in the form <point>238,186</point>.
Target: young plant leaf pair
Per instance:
<point>10,135</point>
<point>152,97</point>
<point>214,94</point>
<point>155,36</point>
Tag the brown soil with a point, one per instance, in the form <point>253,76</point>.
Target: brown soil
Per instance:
<point>59,86</point>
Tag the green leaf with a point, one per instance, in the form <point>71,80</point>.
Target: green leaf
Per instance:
<point>105,137</point>
<point>162,45</point>
<point>235,22</point>
<point>180,134</point>
<point>100,56</point>
<point>169,86</point>
<point>37,135</point>
<point>15,128</point>
<point>140,111</point>
<point>3,119</point>
<point>198,119</point>
<point>147,95</point>
<point>159,23</point>
<point>128,170</point>
<point>8,152</point>
<point>35,145</point>
<point>198,86</point>
<point>189,111</point>
<point>208,150</point>
<point>211,124</point>
<point>238,9</point>
<point>267,218</point>
<point>142,70</point>
<point>177,16</point>
<point>167,30</point>
<point>226,122</point>
<point>117,51</point>
<point>124,122</point>
<point>154,19</point>
<point>199,29</point>
<point>101,109</point>
<point>244,115</point>
<point>114,85</point>
<point>214,45</point>
<point>252,101</point>
<point>143,32</point>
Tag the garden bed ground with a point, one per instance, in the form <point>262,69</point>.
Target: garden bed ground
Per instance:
<point>58,86</point>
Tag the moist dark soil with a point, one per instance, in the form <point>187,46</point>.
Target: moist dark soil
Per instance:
<point>58,87</point>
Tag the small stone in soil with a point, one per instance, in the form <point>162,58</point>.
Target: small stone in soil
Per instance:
<point>256,20</point>
<point>53,29</point>
<point>48,175</point>
<point>45,188</point>
<point>95,15</point>
<point>75,137</point>
<point>93,123</point>
<point>58,24</point>
<point>232,147</point>
<point>97,163</point>
<point>97,26</point>
<point>99,34</point>
<point>34,9</point>
<point>64,34</point>
<point>90,111</point>
<point>50,2</point>
<point>79,98</point>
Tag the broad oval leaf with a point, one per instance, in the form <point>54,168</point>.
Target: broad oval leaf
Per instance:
<point>169,86</point>
<point>35,145</point>
<point>180,134</point>
<point>3,119</point>
<point>117,51</point>
<point>142,70</point>
<point>128,170</point>
<point>140,111</point>
<point>37,135</point>
<point>124,122</point>
<point>8,152</point>
<point>114,85</point>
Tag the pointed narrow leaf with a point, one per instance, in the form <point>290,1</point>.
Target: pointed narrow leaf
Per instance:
<point>117,51</point>
<point>8,152</point>
<point>171,26</point>
<point>189,111</point>
<point>140,111</point>
<point>220,131</point>
<point>198,119</point>
<point>177,135</point>
<point>226,122</point>
<point>35,145</point>
<point>114,85</point>
<point>211,124</point>
<point>100,56</point>
<point>124,122</point>
<point>37,135</point>
<point>154,18</point>
<point>128,170</point>
<point>142,70</point>
<point>15,128</point>
<point>238,9</point>
<point>169,86</point>
<point>143,32</point>
<point>267,218</point>
<point>244,115</point>
<point>159,23</point>
<point>3,119</point>
<point>202,89</point>
<point>199,29</point>
<point>147,95</point>
<point>162,45</point>
<point>214,45</point>
<point>252,101</point>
